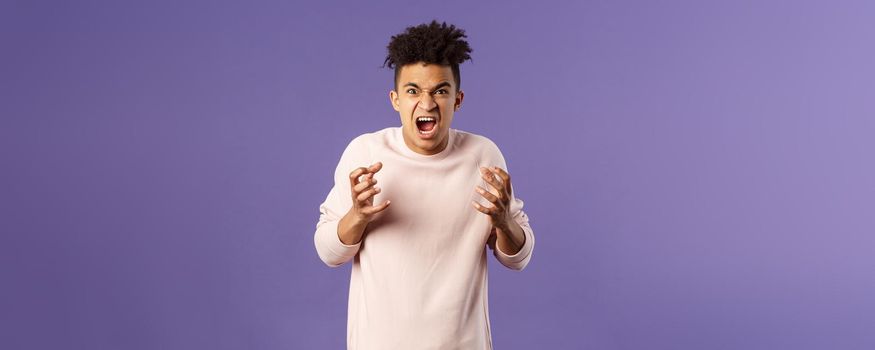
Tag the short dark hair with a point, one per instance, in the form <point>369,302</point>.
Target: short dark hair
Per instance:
<point>433,43</point>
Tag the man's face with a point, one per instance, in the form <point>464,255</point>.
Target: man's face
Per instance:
<point>426,91</point>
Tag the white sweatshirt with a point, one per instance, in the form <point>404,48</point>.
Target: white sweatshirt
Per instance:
<point>419,276</point>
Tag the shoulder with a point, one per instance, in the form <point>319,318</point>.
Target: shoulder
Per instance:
<point>363,148</point>
<point>483,148</point>
<point>477,144</point>
<point>372,137</point>
<point>368,141</point>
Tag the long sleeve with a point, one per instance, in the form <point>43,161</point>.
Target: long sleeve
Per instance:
<point>418,278</point>
<point>519,260</point>
<point>331,250</point>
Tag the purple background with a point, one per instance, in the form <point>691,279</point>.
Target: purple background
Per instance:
<point>699,176</point>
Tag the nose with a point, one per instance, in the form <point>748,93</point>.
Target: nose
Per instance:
<point>426,101</point>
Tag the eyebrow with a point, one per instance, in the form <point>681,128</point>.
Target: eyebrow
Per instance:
<point>438,86</point>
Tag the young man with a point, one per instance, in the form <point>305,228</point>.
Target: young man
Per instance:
<point>416,206</point>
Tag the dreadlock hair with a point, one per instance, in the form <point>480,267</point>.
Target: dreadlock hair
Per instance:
<point>431,43</point>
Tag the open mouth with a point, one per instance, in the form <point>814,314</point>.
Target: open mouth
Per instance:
<point>426,125</point>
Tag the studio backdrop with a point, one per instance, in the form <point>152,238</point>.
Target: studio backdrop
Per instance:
<point>698,175</point>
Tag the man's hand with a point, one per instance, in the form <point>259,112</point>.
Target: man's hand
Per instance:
<point>362,186</point>
<point>505,232</point>
<point>498,195</point>
<point>363,211</point>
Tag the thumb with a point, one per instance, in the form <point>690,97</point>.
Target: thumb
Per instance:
<point>375,167</point>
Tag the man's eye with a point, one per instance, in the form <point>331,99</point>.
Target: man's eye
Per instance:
<point>442,91</point>
<point>413,91</point>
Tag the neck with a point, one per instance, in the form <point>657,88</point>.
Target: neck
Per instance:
<point>428,152</point>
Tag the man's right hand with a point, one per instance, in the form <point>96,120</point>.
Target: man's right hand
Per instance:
<point>363,189</point>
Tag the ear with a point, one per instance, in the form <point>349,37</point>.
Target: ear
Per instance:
<point>393,99</point>
<point>459,97</point>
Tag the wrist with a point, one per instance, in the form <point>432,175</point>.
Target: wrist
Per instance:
<point>350,228</point>
<point>505,224</point>
<point>354,220</point>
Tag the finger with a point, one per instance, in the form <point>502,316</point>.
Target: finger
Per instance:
<point>488,195</point>
<point>364,196</point>
<point>489,174</point>
<point>505,178</point>
<point>375,167</point>
<point>376,209</point>
<point>490,178</point>
<point>490,171</point>
<point>481,208</point>
<point>365,184</point>
<point>365,175</point>
<point>354,176</point>
<point>501,173</point>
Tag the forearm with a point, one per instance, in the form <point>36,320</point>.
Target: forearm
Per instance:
<point>350,230</point>
<point>510,237</point>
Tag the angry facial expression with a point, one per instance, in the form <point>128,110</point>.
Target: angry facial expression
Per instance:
<point>426,99</point>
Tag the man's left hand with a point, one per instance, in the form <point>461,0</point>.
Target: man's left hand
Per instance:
<point>498,194</point>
